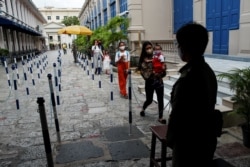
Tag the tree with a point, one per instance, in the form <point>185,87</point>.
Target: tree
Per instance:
<point>114,31</point>
<point>72,20</point>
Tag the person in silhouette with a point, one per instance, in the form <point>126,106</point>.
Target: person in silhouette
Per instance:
<point>193,98</point>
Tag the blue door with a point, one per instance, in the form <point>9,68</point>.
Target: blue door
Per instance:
<point>183,13</point>
<point>222,16</point>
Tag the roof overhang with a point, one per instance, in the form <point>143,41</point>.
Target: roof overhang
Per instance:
<point>7,23</point>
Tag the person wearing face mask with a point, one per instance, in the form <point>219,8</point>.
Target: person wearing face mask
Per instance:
<point>192,124</point>
<point>122,60</point>
<point>153,80</point>
<point>97,55</point>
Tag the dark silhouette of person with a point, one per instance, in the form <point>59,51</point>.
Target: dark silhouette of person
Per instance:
<point>191,132</point>
<point>74,50</point>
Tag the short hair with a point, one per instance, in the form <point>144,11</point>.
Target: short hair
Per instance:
<point>157,45</point>
<point>121,43</point>
<point>192,38</point>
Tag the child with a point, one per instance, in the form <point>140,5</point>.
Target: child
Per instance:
<point>106,61</point>
<point>158,60</point>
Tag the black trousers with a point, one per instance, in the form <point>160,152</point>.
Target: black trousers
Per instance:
<point>152,85</point>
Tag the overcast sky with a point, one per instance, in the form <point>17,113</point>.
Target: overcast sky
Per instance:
<point>59,3</point>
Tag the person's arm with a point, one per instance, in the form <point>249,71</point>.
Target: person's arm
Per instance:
<point>128,60</point>
<point>116,57</point>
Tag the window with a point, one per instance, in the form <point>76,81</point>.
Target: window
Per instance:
<point>105,15</point>
<point>65,17</point>
<point>50,38</point>
<point>100,20</point>
<point>123,5</point>
<point>104,4</point>
<point>49,17</point>
<point>57,17</point>
<point>113,10</point>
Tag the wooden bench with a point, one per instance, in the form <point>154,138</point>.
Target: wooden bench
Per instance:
<point>159,132</point>
<point>221,163</point>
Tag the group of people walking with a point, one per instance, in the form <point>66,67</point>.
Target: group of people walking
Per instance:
<point>193,97</point>
<point>101,57</point>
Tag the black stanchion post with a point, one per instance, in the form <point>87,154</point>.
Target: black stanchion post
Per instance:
<point>56,85</point>
<point>84,63</point>
<point>87,67</point>
<point>54,107</point>
<point>15,87</point>
<point>46,138</point>
<point>111,83</point>
<point>93,66</point>
<point>7,73</point>
<point>99,72</point>
<point>130,101</point>
<point>25,78</point>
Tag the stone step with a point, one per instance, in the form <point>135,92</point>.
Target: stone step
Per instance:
<point>172,72</point>
<point>230,118</point>
<point>226,101</point>
<point>223,91</point>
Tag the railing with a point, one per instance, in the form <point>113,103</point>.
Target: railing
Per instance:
<point>170,50</point>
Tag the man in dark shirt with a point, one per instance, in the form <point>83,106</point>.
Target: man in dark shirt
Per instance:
<point>191,132</point>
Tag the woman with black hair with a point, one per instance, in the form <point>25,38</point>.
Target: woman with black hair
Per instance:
<point>122,60</point>
<point>153,81</point>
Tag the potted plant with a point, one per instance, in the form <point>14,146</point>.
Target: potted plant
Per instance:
<point>239,81</point>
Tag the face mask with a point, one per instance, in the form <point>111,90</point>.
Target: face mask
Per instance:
<point>149,51</point>
<point>122,47</point>
<point>180,53</point>
<point>157,52</point>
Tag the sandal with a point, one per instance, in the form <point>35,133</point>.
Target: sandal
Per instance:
<point>124,96</point>
<point>162,121</point>
<point>142,113</point>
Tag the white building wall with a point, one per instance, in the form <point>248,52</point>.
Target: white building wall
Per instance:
<point>22,13</point>
<point>244,34</point>
<point>61,12</point>
<point>51,29</point>
<point>153,21</point>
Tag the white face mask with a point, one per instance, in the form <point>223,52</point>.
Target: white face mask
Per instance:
<point>122,47</point>
<point>180,53</point>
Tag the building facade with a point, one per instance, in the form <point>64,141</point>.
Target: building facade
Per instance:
<point>228,22</point>
<point>54,17</point>
<point>21,27</point>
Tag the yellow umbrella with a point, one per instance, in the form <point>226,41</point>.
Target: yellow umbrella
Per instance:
<point>77,30</point>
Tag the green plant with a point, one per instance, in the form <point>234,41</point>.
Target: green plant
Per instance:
<point>108,34</point>
<point>4,52</point>
<point>72,20</point>
<point>239,81</point>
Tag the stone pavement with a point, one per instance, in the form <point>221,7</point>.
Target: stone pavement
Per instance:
<point>94,130</point>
